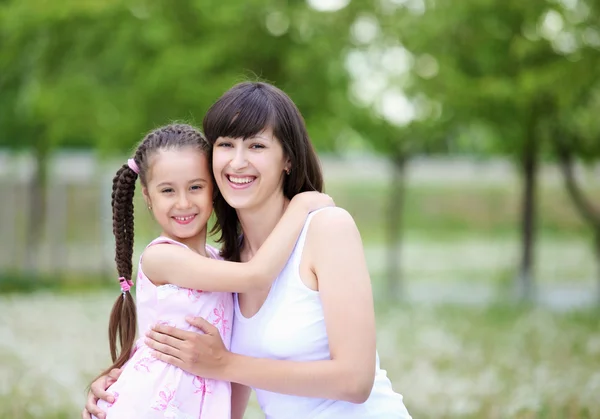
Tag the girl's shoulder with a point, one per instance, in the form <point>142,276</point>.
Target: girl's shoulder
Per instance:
<point>165,240</point>
<point>213,252</point>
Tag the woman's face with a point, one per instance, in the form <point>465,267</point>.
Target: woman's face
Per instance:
<point>248,172</point>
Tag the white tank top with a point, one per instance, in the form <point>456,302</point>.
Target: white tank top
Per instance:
<point>290,325</point>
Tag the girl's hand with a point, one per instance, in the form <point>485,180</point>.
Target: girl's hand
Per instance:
<point>98,392</point>
<point>311,201</point>
<point>204,355</point>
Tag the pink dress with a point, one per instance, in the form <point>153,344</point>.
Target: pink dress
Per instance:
<point>149,388</point>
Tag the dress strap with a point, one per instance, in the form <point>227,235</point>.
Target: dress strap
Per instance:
<point>163,239</point>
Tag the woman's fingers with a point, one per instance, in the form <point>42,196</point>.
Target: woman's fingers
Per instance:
<point>202,324</point>
<point>114,374</point>
<point>91,408</point>
<point>171,360</point>
<point>98,390</point>
<point>172,332</point>
<point>164,339</point>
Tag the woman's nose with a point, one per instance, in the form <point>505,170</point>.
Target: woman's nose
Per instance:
<point>239,160</point>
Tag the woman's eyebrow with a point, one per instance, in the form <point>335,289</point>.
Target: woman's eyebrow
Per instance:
<point>259,136</point>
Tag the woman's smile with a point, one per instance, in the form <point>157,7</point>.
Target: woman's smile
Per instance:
<point>240,182</point>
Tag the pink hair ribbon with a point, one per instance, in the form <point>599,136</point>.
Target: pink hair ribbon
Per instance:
<point>133,166</point>
<point>126,284</point>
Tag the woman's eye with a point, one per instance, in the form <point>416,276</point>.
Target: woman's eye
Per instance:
<point>224,145</point>
<point>257,146</point>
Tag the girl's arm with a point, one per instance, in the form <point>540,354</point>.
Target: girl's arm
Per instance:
<point>169,264</point>
<point>335,249</point>
<point>240,394</point>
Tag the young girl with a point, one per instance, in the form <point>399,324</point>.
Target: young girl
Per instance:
<point>179,276</point>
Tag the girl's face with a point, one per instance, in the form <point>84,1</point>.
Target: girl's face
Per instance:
<point>248,172</point>
<point>180,192</point>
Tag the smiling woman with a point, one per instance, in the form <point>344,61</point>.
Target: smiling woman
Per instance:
<point>306,344</point>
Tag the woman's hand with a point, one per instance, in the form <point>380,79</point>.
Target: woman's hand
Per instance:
<point>98,392</point>
<point>311,201</point>
<point>204,355</point>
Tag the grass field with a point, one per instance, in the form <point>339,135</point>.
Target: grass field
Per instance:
<point>447,361</point>
<point>488,359</point>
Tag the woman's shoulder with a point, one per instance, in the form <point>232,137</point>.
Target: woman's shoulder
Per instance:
<point>330,221</point>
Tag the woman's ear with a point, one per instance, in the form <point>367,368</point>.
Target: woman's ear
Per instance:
<point>288,166</point>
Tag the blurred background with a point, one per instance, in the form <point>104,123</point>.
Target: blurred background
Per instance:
<point>464,138</point>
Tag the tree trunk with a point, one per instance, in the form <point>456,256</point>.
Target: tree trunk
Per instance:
<point>597,256</point>
<point>529,167</point>
<point>36,209</point>
<point>582,204</point>
<point>394,230</point>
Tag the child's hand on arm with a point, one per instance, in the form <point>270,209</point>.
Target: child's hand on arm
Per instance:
<point>307,202</point>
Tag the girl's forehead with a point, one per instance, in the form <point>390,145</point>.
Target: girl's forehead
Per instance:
<point>177,161</point>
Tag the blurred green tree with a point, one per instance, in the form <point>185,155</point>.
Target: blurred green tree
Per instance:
<point>396,120</point>
<point>83,74</point>
<point>497,66</point>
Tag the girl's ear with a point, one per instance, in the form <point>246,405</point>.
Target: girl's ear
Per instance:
<point>146,197</point>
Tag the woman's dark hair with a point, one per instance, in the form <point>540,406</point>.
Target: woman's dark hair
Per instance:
<point>122,323</point>
<point>246,110</point>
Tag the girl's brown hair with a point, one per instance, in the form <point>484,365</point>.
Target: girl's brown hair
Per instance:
<point>122,323</point>
<point>243,111</point>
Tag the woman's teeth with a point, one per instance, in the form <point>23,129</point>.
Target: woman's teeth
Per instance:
<point>240,180</point>
<point>189,217</point>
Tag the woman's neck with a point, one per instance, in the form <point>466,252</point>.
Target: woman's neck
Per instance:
<point>257,223</point>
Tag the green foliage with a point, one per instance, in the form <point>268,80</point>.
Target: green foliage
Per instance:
<point>103,74</point>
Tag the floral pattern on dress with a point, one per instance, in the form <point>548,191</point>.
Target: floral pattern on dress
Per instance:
<point>219,319</point>
<point>164,399</point>
<point>194,295</point>
<point>201,385</point>
<point>143,364</point>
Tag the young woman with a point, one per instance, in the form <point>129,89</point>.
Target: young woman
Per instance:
<point>306,344</point>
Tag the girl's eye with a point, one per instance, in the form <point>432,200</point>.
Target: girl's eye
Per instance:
<point>196,187</point>
<point>224,144</point>
<point>257,146</point>
<point>167,190</point>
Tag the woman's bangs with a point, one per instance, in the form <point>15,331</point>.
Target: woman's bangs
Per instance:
<point>242,116</point>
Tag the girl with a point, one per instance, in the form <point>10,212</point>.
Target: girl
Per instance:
<point>179,275</point>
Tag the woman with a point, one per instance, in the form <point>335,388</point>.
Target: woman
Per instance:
<point>306,344</point>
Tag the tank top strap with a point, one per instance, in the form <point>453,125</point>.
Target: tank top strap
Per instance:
<point>299,248</point>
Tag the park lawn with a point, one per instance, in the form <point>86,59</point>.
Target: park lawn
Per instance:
<point>448,361</point>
